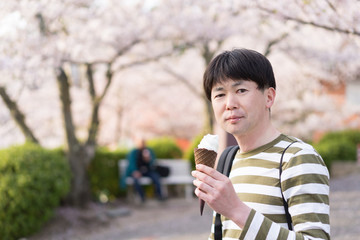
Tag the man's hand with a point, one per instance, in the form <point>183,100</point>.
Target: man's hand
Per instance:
<point>136,174</point>
<point>218,192</point>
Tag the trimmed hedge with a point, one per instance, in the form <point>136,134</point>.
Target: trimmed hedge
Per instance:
<point>351,135</point>
<point>189,154</point>
<point>33,180</point>
<point>104,174</point>
<point>165,147</point>
<point>338,146</point>
<point>103,170</point>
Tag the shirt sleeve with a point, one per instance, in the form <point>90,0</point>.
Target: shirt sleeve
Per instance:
<point>132,158</point>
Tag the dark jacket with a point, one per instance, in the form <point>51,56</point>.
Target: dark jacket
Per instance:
<point>132,166</point>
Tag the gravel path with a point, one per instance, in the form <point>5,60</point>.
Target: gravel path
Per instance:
<point>345,208</point>
<point>173,219</point>
<point>179,219</point>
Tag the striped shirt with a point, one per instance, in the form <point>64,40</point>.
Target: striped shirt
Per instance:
<point>305,184</point>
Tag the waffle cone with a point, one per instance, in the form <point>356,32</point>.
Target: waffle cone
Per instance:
<point>204,156</point>
<point>208,158</point>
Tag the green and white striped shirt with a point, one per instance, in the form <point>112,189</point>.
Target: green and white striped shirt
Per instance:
<point>305,184</point>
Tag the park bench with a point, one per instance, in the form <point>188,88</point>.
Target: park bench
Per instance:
<point>179,175</point>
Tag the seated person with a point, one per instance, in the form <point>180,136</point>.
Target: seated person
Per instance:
<point>142,163</point>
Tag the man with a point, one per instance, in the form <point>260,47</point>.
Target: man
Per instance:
<point>241,87</point>
<point>142,163</point>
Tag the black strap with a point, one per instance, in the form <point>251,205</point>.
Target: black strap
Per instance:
<point>224,166</point>
<point>286,206</point>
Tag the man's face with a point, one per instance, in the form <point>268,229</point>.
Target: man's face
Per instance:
<point>240,107</point>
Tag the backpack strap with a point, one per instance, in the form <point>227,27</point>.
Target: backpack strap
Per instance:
<point>224,166</point>
<point>286,206</point>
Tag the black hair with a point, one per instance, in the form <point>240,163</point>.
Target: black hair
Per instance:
<point>239,64</point>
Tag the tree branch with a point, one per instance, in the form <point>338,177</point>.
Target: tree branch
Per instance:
<point>89,74</point>
<point>274,42</point>
<point>17,116</point>
<point>109,77</point>
<point>311,23</point>
<point>95,104</point>
<point>64,91</point>
<point>183,80</point>
<point>329,28</point>
<point>125,49</point>
<point>142,61</point>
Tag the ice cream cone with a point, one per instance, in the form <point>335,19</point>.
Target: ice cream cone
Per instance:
<point>205,156</point>
<point>208,158</point>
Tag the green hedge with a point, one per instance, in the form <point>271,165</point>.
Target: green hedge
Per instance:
<point>104,174</point>
<point>338,146</point>
<point>351,135</point>
<point>165,147</point>
<point>189,154</point>
<point>33,180</point>
<point>103,170</point>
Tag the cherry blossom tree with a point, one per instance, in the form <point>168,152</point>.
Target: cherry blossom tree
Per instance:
<point>79,61</point>
<point>63,37</point>
<point>323,53</point>
<point>293,32</point>
<point>206,26</point>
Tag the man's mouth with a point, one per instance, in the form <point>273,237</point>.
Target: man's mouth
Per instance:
<point>233,119</point>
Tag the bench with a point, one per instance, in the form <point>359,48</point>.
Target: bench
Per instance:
<point>179,175</point>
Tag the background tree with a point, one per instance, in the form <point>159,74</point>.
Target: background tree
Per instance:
<point>205,28</point>
<point>90,65</point>
<point>63,30</point>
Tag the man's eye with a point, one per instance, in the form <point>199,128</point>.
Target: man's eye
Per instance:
<point>219,95</point>
<point>242,90</point>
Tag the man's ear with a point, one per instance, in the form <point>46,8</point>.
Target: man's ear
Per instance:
<point>270,95</point>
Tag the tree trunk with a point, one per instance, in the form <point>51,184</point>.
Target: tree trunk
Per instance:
<point>209,117</point>
<point>80,184</point>
<point>18,116</point>
<point>78,155</point>
<point>207,55</point>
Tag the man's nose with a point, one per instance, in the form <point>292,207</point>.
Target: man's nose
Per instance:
<point>231,102</point>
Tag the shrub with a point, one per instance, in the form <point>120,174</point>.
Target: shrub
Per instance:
<point>341,150</point>
<point>352,135</point>
<point>33,181</point>
<point>189,154</point>
<point>104,174</point>
<point>165,147</point>
<point>338,146</point>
